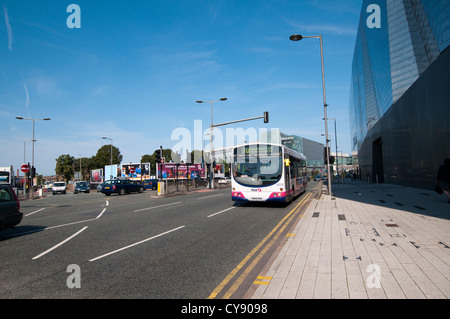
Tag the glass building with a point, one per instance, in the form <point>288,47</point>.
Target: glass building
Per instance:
<point>397,43</point>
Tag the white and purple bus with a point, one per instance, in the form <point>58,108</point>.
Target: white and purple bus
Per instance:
<point>267,173</point>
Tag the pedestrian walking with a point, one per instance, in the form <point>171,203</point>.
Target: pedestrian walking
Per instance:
<point>443,177</point>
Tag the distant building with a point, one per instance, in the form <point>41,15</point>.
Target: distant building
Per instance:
<point>312,150</point>
<point>399,100</point>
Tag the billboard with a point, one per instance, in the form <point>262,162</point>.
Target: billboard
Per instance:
<point>219,170</point>
<point>181,171</point>
<point>135,171</point>
<point>111,171</point>
<point>97,176</point>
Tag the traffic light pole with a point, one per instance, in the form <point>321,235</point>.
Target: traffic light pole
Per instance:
<point>266,120</point>
<point>265,117</point>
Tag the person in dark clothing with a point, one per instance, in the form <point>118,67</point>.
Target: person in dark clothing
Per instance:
<point>443,177</point>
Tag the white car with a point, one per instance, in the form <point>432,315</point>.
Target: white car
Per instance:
<point>224,180</point>
<point>59,187</point>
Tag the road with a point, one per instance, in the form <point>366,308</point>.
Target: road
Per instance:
<point>200,245</point>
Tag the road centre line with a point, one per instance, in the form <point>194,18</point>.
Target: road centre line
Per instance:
<point>222,211</point>
<point>135,244</point>
<point>209,196</point>
<point>233,273</point>
<point>35,212</point>
<point>61,243</point>
<point>154,207</point>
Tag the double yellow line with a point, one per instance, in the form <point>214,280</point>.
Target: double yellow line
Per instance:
<point>280,227</point>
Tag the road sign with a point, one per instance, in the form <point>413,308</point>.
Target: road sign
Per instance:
<point>24,168</point>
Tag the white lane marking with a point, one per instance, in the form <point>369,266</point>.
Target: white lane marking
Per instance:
<point>222,211</point>
<point>210,196</point>
<point>153,207</point>
<point>78,222</point>
<point>35,212</point>
<point>68,224</point>
<point>100,215</point>
<point>61,243</point>
<point>132,245</point>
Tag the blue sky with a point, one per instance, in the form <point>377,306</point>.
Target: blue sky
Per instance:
<point>134,70</point>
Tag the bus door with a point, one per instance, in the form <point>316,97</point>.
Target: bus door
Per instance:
<point>287,176</point>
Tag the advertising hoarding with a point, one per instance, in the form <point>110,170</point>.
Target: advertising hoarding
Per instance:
<point>97,176</point>
<point>181,171</point>
<point>111,171</point>
<point>135,171</point>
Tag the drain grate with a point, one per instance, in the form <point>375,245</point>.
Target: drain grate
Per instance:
<point>315,214</point>
<point>391,225</point>
<point>341,217</point>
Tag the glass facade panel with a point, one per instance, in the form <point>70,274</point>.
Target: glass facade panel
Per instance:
<point>389,59</point>
<point>398,104</point>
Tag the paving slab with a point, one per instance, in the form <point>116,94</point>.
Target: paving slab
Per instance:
<point>366,241</point>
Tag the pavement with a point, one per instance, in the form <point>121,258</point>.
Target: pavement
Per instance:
<point>367,241</point>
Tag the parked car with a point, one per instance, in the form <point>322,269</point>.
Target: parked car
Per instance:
<point>59,187</point>
<point>10,214</point>
<point>81,187</point>
<point>99,187</point>
<point>121,186</point>
<point>225,180</point>
<point>150,184</point>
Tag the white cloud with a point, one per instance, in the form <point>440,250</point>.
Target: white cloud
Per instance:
<point>8,28</point>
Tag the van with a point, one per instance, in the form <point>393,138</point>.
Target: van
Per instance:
<point>59,187</point>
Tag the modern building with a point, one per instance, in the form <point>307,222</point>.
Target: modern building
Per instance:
<point>400,97</point>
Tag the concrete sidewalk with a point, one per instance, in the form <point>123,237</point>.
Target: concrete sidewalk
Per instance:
<point>366,241</point>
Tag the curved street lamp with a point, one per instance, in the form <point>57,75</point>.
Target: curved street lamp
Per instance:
<point>211,173</point>
<point>298,37</point>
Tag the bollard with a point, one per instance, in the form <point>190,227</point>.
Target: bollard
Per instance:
<point>161,188</point>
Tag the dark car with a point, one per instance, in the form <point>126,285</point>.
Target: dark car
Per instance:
<point>10,214</point>
<point>150,183</point>
<point>81,187</point>
<point>121,186</point>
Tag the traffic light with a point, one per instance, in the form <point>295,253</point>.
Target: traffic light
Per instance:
<point>332,158</point>
<point>266,117</point>
<point>325,159</point>
<point>158,155</point>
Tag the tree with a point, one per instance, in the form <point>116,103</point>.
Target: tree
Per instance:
<point>103,157</point>
<point>147,158</point>
<point>65,166</point>
<point>86,167</point>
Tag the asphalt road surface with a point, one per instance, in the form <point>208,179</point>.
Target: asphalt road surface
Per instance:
<point>200,245</point>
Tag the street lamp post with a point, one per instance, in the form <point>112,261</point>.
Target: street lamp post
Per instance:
<point>33,140</point>
<point>107,138</point>
<point>211,173</point>
<point>298,37</point>
<point>335,139</point>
